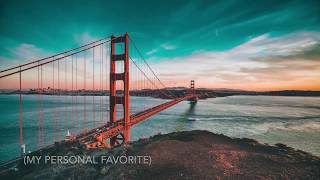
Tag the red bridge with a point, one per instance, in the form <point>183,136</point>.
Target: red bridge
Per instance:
<point>85,74</point>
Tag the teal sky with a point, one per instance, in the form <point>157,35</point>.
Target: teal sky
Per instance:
<point>165,30</point>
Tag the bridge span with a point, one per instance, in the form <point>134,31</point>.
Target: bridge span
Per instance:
<point>85,74</point>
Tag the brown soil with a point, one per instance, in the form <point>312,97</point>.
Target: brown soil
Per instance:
<point>188,155</point>
<point>204,155</point>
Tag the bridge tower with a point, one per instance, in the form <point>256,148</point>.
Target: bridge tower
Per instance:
<point>192,91</point>
<point>124,99</point>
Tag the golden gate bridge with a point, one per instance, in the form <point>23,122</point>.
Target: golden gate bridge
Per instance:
<point>107,67</point>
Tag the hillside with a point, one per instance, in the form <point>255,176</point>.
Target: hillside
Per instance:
<point>183,155</point>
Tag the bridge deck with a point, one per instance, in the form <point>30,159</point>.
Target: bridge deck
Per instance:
<point>113,129</point>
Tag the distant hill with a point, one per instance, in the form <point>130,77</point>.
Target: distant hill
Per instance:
<point>177,91</point>
<point>291,93</point>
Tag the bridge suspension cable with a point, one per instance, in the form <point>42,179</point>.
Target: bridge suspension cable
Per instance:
<point>149,67</point>
<point>56,57</point>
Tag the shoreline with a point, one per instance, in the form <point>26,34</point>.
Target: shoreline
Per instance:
<point>202,93</point>
<point>253,95</point>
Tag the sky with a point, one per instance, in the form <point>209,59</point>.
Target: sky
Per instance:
<point>237,44</point>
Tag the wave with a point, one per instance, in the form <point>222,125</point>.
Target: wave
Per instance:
<point>244,126</point>
<point>306,126</point>
<point>193,119</point>
<point>289,126</point>
<point>253,118</point>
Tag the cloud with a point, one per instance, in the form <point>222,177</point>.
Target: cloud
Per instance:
<point>264,62</point>
<point>153,51</point>
<point>168,47</point>
<point>84,38</point>
<point>25,52</point>
<point>165,46</point>
<point>290,44</point>
<point>21,54</point>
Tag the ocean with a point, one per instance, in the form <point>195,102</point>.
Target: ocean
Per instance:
<point>294,121</point>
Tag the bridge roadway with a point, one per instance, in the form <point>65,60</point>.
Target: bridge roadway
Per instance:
<point>110,130</point>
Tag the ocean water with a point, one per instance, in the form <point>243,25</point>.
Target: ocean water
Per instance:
<point>294,121</point>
